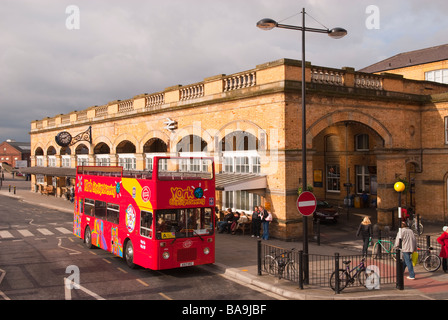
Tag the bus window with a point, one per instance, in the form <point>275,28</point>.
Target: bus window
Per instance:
<point>146,224</point>
<point>100,209</point>
<point>183,223</point>
<point>113,213</point>
<point>89,206</point>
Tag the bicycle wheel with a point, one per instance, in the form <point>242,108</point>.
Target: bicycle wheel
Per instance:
<point>344,278</point>
<point>362,276</point>
<point>414,229</point>
<point>290,272</point>
<point>432,263</point>
<point>270,265</point>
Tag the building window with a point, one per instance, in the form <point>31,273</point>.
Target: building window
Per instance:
<point>241,162</point>
<point>446,130</point>
<point>149,162</point>
<point>51,161</point>
<point>256,165</point>
<point>240,200</point>
<point>362,179</point>
<point>440,76</point>
<point>103,160</point>
<point>333,178</point>
<point>66,161</point>
<point>362,142</point>
<point>128,162</point>
<point>39,161</point>
<point>40,179</point>
<point>242,165</point>
<point>82,160</point>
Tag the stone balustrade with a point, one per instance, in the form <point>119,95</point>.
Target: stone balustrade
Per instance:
<point>240,81</point>
<point>327,76</point>
<point>191,92</point>
<point>268,74</point>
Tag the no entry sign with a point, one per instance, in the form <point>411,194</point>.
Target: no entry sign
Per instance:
<point>306,203</point>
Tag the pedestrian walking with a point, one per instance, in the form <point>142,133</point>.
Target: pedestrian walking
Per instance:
<point>443,240</point>
<point>408,246</point>
<point>365,230</point>
<point>256,222</point>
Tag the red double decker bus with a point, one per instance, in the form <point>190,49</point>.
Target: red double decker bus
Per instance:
<point>160,219</point>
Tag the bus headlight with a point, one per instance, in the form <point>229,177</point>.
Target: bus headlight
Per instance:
<point>165,255</point>
<point>206,250</point>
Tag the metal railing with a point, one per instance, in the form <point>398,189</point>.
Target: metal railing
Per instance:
<point>289,264</point>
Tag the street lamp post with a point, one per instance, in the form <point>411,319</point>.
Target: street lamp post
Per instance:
<point>399,187</point>
<point>335,33</point>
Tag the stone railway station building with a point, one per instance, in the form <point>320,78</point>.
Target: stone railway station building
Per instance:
<point>365,129</point>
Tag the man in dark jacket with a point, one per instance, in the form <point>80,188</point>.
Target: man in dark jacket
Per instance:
<point>225,225</point>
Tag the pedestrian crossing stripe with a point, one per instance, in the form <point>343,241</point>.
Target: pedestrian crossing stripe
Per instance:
<point>25,233</point>
<point>63,230</point>
<point>45,232</point>
<point>5,235</point>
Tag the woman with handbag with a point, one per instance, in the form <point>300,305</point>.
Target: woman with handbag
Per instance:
<point>266,217</point>
<point>443,240</point>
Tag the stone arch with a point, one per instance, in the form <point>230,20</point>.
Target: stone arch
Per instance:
<point>154,134</point>
<point>244,126</point>
<point>192,130</point>
<point>39,150</point>
<point>349,115</point>
<point>126,137</point>
<point>49,146</point>
<point>101,140</point>
<point>82,148</point>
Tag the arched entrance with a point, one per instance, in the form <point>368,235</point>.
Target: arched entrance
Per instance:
<point>345,163</point>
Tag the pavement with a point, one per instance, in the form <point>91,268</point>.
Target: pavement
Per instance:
<point>236,256</point>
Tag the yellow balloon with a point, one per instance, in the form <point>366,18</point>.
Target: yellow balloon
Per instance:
<point>399,186</point>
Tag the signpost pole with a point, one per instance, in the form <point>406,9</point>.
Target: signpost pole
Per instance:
<point>306,204</point>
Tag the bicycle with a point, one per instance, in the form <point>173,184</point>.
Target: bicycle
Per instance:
<point>412,224</point>
<point>347,276</point>
<point>431,261</point>
<point>281,265</point>
<point>382,246</point>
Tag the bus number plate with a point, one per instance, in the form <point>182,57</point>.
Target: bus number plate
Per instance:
<point>187,264</point>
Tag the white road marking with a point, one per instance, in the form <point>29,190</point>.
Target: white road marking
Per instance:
<point>6,235</point>
<point>45,232</point>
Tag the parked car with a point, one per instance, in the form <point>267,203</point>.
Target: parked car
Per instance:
<point>325,212</point>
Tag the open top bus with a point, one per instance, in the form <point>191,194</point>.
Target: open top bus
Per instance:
<point>160,219</point>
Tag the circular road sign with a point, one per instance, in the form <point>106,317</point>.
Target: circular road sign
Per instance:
<point>306,203</point>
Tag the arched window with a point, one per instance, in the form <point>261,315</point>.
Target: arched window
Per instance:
<point>240,153</point>
<point>82,155</point>
<point>154,147</point>
<point>102,154</point>
<point>191,143</point>
<point>39,153</point>
<point>126,155</point>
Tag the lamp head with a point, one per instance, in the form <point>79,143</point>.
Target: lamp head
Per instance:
<point>337,33</point>
<point>267,24</point>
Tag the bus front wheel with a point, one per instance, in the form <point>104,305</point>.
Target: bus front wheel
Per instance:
<point>129,254</point>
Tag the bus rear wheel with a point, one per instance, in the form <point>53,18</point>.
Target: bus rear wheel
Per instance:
<point>129,254</point>
<point>88,238</point>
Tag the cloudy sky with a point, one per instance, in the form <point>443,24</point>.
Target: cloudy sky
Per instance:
<point>50,64</point>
